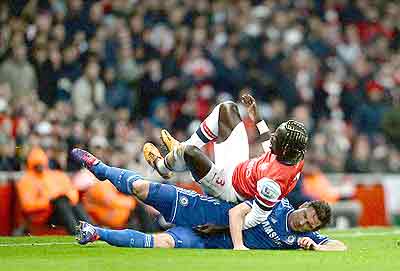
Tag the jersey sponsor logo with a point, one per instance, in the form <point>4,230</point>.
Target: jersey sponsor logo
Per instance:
<point>183,201</point>
<point>269,230</point>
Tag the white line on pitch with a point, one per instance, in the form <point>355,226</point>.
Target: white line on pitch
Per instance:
<point>348,234</point>
<point>42,244</point>
<point>36,244</point>
<point>363,234</point>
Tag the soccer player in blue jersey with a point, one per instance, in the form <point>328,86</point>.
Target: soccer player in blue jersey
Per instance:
<point>285,228</point>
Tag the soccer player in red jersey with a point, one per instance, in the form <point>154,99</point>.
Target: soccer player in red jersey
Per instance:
<point>234,177</point>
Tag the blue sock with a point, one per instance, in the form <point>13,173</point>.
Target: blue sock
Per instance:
<point>99,171</point>
<point>126,238</point>
<point>122,179</point>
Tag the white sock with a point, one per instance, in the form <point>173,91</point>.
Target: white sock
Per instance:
<point>175,160</point>
<point>195,141</point>
<point>208,130</point>
<point>161,166</point>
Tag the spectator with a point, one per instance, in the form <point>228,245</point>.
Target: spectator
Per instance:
<point>117,93</point>
<point>8,158</point>
<point>88,91</point>
<point>47,196</point>
<point>69,72</point>
<point>19,73</point>
<point>358,161</point>
<point>393,161</point>
<point>150,85</point>
<point>107,206</point>
<point>316,186</point>
<point>368,117</point>
<point>49,72</point>
<point>128,69</point>
<point>335,66</point>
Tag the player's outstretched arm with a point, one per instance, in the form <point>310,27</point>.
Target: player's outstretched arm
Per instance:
<point>257,214</point>
<point>236,221</point>
<point>262,127</point>
<point>251,105</point>
<point>332,245</point>
<point>268,193</point>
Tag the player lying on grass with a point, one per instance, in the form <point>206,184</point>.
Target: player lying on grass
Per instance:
<point>234,177</point>
<point>285,228</point>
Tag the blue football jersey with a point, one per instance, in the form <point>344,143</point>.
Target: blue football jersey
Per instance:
<point>188,209</point>
<point>192,209</point>
<point>273,233</point>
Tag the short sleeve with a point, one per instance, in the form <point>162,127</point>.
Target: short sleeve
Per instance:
<point>249,203</point>
<point>268,191</point>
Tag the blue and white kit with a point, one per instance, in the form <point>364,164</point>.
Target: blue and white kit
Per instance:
<point>188,209</point>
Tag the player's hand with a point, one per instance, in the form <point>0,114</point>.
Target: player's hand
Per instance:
<point>307,243</point>
<point>208,229</point>
<point>251,105</point>
<point>242,247</point>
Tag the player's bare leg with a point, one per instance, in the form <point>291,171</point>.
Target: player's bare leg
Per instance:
<point>229,118</point>
<point>188,157</point>
<point>217,127</point>
<point>182,158</point>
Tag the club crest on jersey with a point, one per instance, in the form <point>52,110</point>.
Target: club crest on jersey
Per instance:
<point>290,240</point>
<point>183,201</point>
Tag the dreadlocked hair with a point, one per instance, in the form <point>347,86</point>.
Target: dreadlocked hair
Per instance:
<point>323,211</point>
<point>295,142</point>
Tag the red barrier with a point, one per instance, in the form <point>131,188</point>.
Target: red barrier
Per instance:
<point>6,208</point>
<point>372,199</point>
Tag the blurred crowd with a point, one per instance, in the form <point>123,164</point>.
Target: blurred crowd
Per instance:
<point>106,75</point>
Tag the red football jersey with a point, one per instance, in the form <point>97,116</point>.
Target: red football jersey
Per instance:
<point>247,175</point>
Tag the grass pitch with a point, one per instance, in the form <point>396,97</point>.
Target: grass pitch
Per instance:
<point>369,249</point>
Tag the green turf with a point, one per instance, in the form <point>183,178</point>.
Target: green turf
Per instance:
<point>371,249</point>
